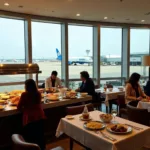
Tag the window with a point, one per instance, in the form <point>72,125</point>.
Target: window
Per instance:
<point>12,46</point>
<point>111,47</point>
<point>80,50</point>
<point>11,87</point>
<point>46,47</point>
<point>139,46</point>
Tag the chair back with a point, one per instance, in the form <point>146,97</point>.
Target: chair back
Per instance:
<point>137,115</point>
<point>121,101</point>
<point>74,110</point>
<point>20,144</point>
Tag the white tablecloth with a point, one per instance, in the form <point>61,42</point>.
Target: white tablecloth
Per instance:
<point>133,141</point>
<point>144,105</point>
<point>110,95</point>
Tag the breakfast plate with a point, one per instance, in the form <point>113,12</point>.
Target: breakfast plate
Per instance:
<point>94,125</point>
<point>119,129</point>
<point>2,107</point>
<point>69,117</point>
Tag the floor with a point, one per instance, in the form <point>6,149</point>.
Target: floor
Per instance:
<point>64,143</point>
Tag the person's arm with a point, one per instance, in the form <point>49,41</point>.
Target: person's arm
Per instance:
<point>21,102</point>
<point>59,83</point>
<point>142,94</point>
<point>46,84</point>
<point>128,90</point>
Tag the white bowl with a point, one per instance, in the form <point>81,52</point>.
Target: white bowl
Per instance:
<point>83,94</point>
<point>106,118</point>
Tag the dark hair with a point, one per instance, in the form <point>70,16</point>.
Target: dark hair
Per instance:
<point>134,79</point>
<point>85,74</point>
<point>30,85</point>
<point>55,73</point>
<point>32,90</point>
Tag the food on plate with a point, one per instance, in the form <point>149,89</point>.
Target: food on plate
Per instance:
<point>69,117</point>
<point>94,125</point>
<point>83,94</point>
<point>71,94</point>
<point>2,102</point>
<point>2,107</point>
<point>106,117</point>
<point>119,128</point>
<point>5,97</point>
<point>16,92</point>
<point>52,90</point>
<point>52,97</point>
<point>145,100</point>
<point>15,100</point>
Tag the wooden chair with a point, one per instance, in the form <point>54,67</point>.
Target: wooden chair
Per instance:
<point>137,115</point>
<point>20,144</point>
<point>122,105</point>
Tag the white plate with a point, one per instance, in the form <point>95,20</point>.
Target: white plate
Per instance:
<point>69,117</point>
<point>102,126</point>
<point>129,129</point>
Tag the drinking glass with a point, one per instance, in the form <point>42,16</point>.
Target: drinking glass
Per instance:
<point>114,114</point>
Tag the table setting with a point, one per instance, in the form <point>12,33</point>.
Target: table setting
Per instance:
<point>99,132</point>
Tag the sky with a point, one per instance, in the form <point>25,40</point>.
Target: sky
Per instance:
<point>46,37</point>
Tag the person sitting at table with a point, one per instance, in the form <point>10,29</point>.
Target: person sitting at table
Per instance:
<point>52,81</point>
<point>87,84</point>
<point>147,88</point>
<point>133,90</point>
<point>33,114</point>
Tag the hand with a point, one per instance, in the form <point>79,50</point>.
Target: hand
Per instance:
<point>147,97</point>
<point>139,98</point>
<point>77,90</point>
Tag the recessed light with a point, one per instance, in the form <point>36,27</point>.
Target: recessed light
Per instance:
<point>105,18</point>
<point>142,20</point>
<point>6,4</point>
<point>77,15</point>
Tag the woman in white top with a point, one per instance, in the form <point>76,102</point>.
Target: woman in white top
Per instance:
<point>53,81</point>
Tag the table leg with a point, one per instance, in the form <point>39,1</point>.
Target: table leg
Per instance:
<point>71,144</point>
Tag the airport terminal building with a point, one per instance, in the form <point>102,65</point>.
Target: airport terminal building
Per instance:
<point>135,59</point>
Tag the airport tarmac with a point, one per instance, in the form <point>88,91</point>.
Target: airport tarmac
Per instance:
<point>74,72</point>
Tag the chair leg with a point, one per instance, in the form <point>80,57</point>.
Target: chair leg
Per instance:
<point>71,144</point>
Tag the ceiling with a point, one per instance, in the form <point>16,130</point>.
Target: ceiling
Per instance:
<point>127,11</point>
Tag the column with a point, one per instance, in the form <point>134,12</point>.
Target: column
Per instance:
<point>64,51</point>
<point>96,54</point>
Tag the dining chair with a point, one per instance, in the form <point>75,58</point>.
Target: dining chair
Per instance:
<point>122,105</point>
<point>20,144</point>
<point>74,110</point>
<point>136,114</point>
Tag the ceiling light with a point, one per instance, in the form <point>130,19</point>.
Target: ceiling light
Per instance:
<point>142,20</point>
<point>6,4</point>
<point>77,15</point>
<point>105,17</point>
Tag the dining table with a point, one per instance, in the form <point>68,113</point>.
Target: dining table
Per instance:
<point>102,140</point>
<point>144,105</point>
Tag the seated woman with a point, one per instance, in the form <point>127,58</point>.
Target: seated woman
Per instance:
<point>133,90</point>
<point>33,114</point>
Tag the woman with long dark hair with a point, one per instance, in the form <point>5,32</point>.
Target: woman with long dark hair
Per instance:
<point>33,114</point>
<point>133,90</point>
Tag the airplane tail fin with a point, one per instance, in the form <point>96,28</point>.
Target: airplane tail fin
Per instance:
<point>59,56</point>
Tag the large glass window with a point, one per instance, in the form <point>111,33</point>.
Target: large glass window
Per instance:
<point>111,48</point>
<point>12,47</point>
<point>80,50</point>
<point>46,47</point>
<point>139,46</point>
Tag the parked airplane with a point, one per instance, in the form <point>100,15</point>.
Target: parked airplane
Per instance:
<point>75,60</point>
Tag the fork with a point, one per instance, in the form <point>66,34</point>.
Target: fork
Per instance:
<point>106,136</point>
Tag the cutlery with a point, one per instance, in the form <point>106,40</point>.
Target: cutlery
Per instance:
<point>106,136</point>
<point>137,128</point>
